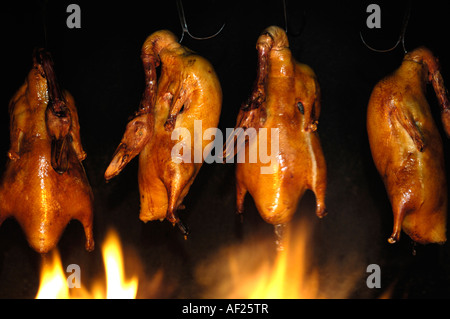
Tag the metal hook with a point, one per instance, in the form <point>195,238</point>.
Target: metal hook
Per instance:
<point>286,21</point>
<point>285,16</point>
<point>45,21</point>
<point>401,37</point>
<point>185,27</point>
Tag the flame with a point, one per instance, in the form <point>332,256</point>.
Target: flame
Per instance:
<point>53,282</point>
<point>286,277</point>
<point>251,269</point>
<point>117,286</point>
<point>54,285</point>
<point>254,269</point>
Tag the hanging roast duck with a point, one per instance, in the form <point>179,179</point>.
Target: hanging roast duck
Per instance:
<point>407,147</point>
<point>285,97</point>
<point>45,185</point>
<point>188,91</point>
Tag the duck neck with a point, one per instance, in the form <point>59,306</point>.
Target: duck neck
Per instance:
<point>281,63</point>
<point>414,72</point>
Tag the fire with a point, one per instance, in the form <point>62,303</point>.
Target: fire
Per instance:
<point>286,277</point>
<point>253,269</point>
<point>54,285</point>
<point>53,282</point>
<point>117,286</point>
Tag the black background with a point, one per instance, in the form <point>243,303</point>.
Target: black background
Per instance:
<point>100,65</point>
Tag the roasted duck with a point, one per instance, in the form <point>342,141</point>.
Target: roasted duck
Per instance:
<point>407,147</point>
<point>188,91</point>
<point>45,185</point>
<point>286,98</point>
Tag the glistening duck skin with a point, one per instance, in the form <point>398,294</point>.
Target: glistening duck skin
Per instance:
<point>286,97</point>
<point>188,90</point>
<point>45,185</point>
<point>407,147</point>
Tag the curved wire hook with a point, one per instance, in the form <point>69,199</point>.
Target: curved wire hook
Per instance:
<point>401,38</point>
<point>184,26</point>
<point>45,22</point>
<point>286,21</point>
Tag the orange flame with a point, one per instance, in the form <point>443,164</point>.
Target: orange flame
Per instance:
<point>253,269</point>
<point>117,286</point>
<point>286,277</point>
<point>53,284</point>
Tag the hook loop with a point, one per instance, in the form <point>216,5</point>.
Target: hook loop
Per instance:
<point>185,28</point>
<point>401,38</point>
<point>286,21</point>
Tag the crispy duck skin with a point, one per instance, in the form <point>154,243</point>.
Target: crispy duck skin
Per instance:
<point>45,185</point>
<point>188,89</point>
<point>286,96</point>
<point>407,148</point>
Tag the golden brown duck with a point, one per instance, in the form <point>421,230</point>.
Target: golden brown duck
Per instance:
<point>285,98</point>
<point>407,147</point>
<point>188,91</point>
<point>45,185</point>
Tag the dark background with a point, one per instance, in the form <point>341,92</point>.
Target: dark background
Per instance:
<point>100,65</point>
